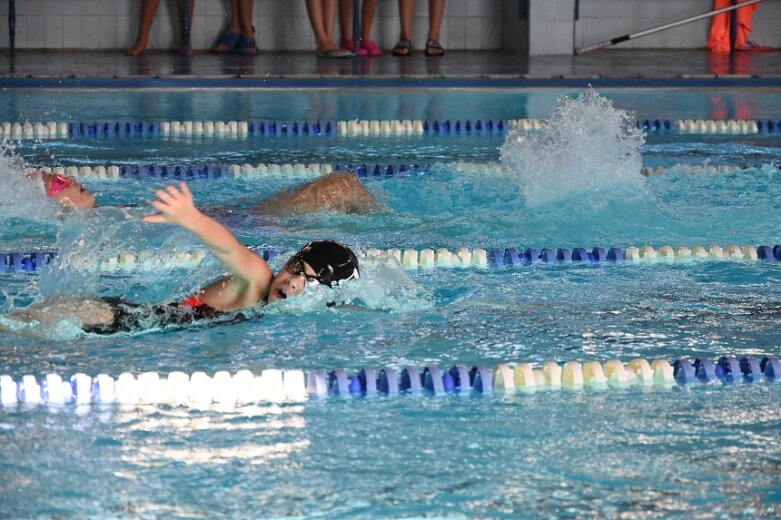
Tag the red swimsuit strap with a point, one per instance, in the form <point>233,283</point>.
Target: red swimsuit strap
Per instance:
<point>192,301</point>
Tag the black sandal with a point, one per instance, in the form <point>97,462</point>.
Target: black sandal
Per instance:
<point>402,48</point>
<point>434,48</point>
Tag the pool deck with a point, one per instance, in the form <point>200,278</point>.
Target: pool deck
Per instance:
<point>630,68</point>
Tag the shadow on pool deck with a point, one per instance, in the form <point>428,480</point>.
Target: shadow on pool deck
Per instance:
<point>620,64</point>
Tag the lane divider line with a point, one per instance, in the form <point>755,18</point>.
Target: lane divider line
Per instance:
<point>428,258</point>
<point>215,171</point>
<point>200,390</point>
<point>344,128</point>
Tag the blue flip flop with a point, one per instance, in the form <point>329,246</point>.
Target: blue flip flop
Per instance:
<point>247,47</point>
<point>230,40</point>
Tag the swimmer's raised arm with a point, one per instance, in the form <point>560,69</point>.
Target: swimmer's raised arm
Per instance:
<point>175,206</point>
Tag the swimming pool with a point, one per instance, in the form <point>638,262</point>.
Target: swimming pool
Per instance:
<point>700,450</point>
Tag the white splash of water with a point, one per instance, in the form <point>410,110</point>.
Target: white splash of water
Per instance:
<point>89,238</point>
<point>383,285</point>
<point>588,147</point>
<point>22,196</point>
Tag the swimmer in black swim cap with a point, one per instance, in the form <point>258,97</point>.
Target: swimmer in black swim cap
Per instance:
<point>251,281</point>
<point>322,262</point>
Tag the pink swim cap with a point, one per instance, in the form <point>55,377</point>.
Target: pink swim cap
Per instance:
<point>58,183</point>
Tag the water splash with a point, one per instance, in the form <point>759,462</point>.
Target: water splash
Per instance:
<point>88,238</point>
<point>383,285</point>
<point>588,148</point>
<point>22,196</point>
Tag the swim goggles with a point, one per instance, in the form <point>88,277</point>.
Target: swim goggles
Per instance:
<point>295,266</point>
<point>57,184</point>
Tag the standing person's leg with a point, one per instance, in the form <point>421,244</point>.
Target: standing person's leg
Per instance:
<point>404,46</point>
<point>147,16</point>
<point>247,45</point>
<point>245,18</point>
<point>320,12</point>
<point>742,42</point>
<point>346,23</point>
<point>346,27</point>
<point>230,39</point>
<point>436,9</point>
<point>314,9</point>
<point>329,17</point>
<point>368,11</point>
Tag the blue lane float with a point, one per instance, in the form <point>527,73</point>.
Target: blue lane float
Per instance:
<point>705,370</point>
<point>750,369</point>
<point>274,385</point>
<point>728,369</point>
<point>683,372</point>
<point>25,262</point>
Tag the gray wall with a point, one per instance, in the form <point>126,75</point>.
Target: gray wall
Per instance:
<point>515,27</point>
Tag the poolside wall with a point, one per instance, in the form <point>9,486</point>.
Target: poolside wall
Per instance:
<point>536,27</point>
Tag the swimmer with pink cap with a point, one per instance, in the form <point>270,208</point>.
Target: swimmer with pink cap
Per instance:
<point>66,191</point>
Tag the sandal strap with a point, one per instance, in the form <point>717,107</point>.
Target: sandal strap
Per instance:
<point>230,39</point>
<point>434,44</point>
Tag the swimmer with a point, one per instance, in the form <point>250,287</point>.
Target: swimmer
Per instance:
<point>65,190</point>
<point>250,283</point>
<point>336,192</point>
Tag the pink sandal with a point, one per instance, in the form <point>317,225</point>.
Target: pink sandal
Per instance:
<point>371,48</point>
<point>348,46</point>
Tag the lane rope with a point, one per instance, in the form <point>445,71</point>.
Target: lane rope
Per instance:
<point>427,258</point>
<point>215,171</point>
<point>346,128</point>
<point>275,385</point>
<point>258,128</point>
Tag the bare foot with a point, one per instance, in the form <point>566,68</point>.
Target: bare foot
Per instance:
<point>221,48</point>
<point>137,49</point>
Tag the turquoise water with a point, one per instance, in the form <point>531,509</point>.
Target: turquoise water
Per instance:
<point>703,451</point>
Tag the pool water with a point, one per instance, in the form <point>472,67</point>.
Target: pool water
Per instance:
<point>699,451</point>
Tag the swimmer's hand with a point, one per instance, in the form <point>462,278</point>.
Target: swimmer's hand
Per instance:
<point>174,206</point>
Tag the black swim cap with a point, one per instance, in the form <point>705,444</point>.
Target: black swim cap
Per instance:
<point>331,262</point>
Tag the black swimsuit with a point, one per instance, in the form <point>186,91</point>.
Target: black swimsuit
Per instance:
<point>138,317</point>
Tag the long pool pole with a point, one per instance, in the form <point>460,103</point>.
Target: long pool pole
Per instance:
<point>186,27</point>
<point>12,26</point>
<point>356,26</point>
<point>670,25</point>
<point>733,28</point>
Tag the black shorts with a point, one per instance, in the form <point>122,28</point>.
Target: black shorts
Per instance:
<point>139,317</point>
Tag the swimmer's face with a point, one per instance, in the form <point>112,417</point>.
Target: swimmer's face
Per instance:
<point>68,192</point>
<point>291,280</point>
